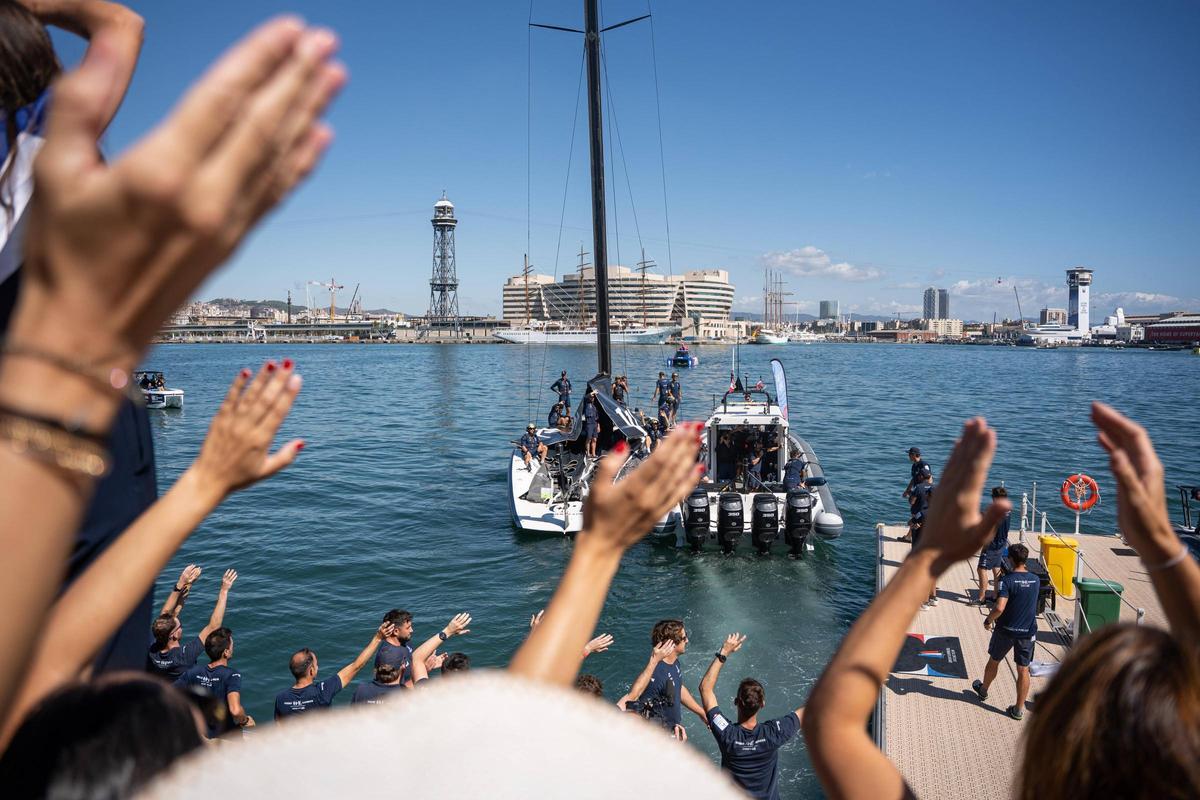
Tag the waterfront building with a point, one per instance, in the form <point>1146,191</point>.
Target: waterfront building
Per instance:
<point>703,296</point>
<point>1079,285</point>
<point>943,327</point>
<point>1180,329</point>
<point>1053,316</point>
<point>929,304</point>
<point>943,305</point>
<point>830,309</point>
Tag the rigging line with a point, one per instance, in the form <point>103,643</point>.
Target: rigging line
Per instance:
<point>528,202</point>
<point>661,158</point>
<point>612,161</point>
<point>566,186</point>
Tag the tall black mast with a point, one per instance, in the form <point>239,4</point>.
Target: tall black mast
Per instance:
<point>591,11</point>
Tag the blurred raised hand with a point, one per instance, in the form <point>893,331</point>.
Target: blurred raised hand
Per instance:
<point>598,645</point>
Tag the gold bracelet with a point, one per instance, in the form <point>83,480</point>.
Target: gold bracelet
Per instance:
<point>53,446</point>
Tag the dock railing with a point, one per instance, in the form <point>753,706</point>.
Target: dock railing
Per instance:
<point>1027,525</point>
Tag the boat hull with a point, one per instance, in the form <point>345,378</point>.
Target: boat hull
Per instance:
<point>159,399</point>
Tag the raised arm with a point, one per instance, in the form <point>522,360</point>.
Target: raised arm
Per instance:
<point>121,28</point>
<point>615,517</point>
<point>178,596</point>
<point>708,684</point>
<point>455,627</point>
<point>218,612</point>
<point>1142,513</point>
<point>347,673</point>
<point>660,651</point>
<point>235,454</point>
<point>111,250</point>
<point>835,722</point>
<point>689,702</point>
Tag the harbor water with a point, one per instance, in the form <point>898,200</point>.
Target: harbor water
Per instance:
<point>399,498</point>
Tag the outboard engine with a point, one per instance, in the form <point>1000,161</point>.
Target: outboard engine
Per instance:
<point>764,522</point>
<point>696,518</point>
<point>730,520</point>
<point>799,521</point>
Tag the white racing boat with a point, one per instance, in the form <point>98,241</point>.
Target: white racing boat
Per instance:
<point>547,496</point>
<point>155,391</point>
<point>546,334</point>
<point>742,498</point>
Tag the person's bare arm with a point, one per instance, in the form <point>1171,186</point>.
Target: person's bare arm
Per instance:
<point>689,702</point>
<point>1142,513</point>
<point>347,673</point>
<point>235,454</point>
<point>218,612</point>
<point>456,627</point>
<point>990,620</point>
<point>179,592</point>
<point>708,684</point>
<point>113,249</point>
<point>240,717</point>
<point>615,517</point>
<point>121,26</point>
<point>835,719</point>
<point>660,651</point>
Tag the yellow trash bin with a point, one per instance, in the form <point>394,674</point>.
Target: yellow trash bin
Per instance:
<point>1059,557</point>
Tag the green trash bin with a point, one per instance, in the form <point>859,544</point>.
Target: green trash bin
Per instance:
<point>1099,603</point>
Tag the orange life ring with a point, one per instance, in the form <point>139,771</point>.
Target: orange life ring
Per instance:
<point>1080,492</point>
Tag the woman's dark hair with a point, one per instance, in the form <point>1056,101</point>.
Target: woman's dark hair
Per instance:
<point>1121,718</point>
<point>387,673</point>
<point>28,65</point>
<point>456,662</point>
<point>105,739</point>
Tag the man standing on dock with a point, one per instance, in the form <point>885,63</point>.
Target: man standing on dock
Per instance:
<point>990,557</point>
<point>749,748</point>
<point>914,455</point>
<point>1013,623</point>
<point>563,387</point>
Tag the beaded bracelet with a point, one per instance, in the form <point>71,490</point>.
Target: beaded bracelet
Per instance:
<point>1171,562</point>
<point>52,444</point>
<point>116,380</point>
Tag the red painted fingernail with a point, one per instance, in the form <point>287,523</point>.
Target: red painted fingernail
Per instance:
<point>270,366</point>
<point>299,445</point>
<point>287,363</point>
<point>245,373</point>
<point>701,469</point>
<point>619,448</point>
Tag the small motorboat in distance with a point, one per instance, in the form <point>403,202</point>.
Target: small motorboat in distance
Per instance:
<point>683,358</point>
<point>155,391</point>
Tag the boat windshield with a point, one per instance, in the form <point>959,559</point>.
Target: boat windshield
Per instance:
<point>748,457</point>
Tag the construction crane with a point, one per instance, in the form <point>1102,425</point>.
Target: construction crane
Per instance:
<point>1020,313</point>
<point>351,310</point>
<point>332,287</point>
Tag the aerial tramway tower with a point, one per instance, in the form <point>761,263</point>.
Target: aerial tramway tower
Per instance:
<point>443,286</point>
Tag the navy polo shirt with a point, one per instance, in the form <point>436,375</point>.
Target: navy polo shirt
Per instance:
<point>664,387</point>
<point>375,693</point>
<point>176,661</point>
<point>793,474</point>
<point>676,391</point>
<point>1019,617</point>
<point>217,681</point>
<point>317,695</point>
<point>590,413</point>
<point>920,500</point>
<point>1000,540</point>
<point>751,757</point>
<point>530,442</point>
<point>664,691</point>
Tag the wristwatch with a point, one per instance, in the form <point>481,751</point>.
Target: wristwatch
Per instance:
<point>720,656</point>
<point>442,635</point>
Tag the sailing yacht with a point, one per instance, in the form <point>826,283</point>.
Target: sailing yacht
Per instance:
<point>548,496</point>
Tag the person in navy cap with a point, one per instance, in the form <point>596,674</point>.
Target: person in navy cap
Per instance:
<point>914,455</point>
<point>531,445</point>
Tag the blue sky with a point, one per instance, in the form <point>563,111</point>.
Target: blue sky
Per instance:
<point>866,149</point>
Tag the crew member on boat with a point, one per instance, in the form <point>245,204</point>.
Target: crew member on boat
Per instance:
<point>555,415</point>
<point>793,471</point>
<point>676,395</point>
<point>662,390</point>
<point>591,422</point>
<point>531,445</point>
<point>620,389</point>
<point>563,387</point>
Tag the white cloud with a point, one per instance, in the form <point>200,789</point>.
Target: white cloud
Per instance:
<point>886,308</point>
<point>813,262</point>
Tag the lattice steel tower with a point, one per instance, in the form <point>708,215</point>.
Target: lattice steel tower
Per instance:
<point>443,286</point>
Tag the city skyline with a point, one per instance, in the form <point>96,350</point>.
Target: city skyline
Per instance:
<point>995,149</point>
